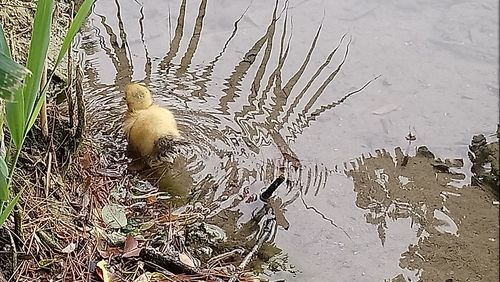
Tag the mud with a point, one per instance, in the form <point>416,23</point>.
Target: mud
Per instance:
<point>457,228</point>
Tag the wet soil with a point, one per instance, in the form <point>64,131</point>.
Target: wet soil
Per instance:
<point>457,228</point>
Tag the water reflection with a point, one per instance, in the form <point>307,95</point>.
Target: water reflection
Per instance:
<point>233,133</point>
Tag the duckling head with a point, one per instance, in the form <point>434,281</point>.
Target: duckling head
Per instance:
<point>138,97</point>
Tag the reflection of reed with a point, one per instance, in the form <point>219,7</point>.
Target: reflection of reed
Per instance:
<point>176,42</point>
<point>195,38</point>
<point>209,68</point>
<point>120,60</point>
<point>147,65</point>
<point>240,70</point>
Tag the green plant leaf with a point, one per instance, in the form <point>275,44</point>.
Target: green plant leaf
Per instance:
<point>14,112</point>
<point>6,212</point>
<point>4,47</point>
<point>4,189</point>
<point>77,22</point>
<point>3,167</point>
<point>4,176</point>
<point>11,77</point>
<point>75,26</point>
<point>19,111</point>
<point>37,55</point>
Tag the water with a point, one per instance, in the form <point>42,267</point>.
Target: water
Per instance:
<point>258,86</point>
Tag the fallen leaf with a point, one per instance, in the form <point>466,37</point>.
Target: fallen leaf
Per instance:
<point>147,225</point>
<point>45,262</point>
<point>130,244</point>
<point>186,259</point>
<point>102,271</point>
<point>69,248</point>
<point>131,247</point>
<point>114,216</point>
<point>109,252</point>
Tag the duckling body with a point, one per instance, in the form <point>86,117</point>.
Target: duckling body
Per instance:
<point>148,127</point>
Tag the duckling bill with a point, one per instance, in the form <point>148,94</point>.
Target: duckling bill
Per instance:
<point>151,130</point>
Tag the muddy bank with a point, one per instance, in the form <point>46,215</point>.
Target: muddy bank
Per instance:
<point>457,227</point>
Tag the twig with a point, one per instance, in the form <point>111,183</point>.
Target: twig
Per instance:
<point>47,177</point>
<point>69,88</point>
<point>14,251</point>
<point>211,262</point>
<point>81,108</point>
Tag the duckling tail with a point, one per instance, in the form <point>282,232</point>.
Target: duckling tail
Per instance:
<point>166,147</point>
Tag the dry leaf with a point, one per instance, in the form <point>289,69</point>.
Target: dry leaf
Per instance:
<point>186,259</point>
<point>109,252</point>
<point>131,247</point>
<point>102,271</point>
<point>69,248</point>
<point>130,243</point>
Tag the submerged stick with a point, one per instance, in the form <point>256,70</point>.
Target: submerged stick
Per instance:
<point>263,238</point>
<point>270,190</point>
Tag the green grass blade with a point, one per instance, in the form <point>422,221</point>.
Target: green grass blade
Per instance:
<point>39,45</point>
<point>14,111</point>
<point>4,47</point>
<point>6,212</point>
<point>4,188</point>
<point>19,111</point>
<point>3,168</point>
<point>16,119</point>
<point>77,22</point>
<point>11,77</point>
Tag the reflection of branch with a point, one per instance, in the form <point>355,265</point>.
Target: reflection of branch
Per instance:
<point>322,215</point>
<point>327,81</point>
<point>207,72</point>
<point>242,67</point>
<point>340,101</point>
<point>147,66</point>
<point>297,126</point>
<point>282,94</point>
<point>195,39</point>
<point>310,82</point>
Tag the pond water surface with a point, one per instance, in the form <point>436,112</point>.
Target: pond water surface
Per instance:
<point>309,86</point>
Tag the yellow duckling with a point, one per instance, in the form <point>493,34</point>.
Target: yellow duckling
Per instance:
<point>151,130</point>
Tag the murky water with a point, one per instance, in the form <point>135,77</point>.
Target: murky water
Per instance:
<point>261,85</point>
